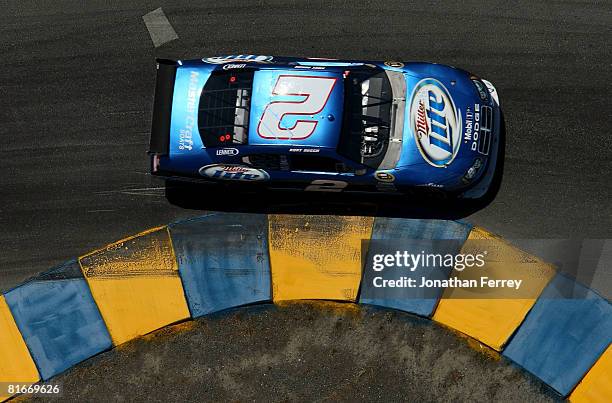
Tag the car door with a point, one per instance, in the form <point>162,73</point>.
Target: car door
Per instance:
<point>304,171</point>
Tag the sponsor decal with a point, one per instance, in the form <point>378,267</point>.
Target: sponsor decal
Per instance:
<point>234,173</point>
<point>309,67</point>
<point>384,176</point>
<point>435,122</point>
<point>227,151</point>
<point>482,90</point>
<point>472,127</point>
<point>397,65</point>
<point>431,185</point>
<point>186,133</point>
<point>304,150</point>
<point>492,90</point>
<point>387,187</point>
<point>238,59</point>
<point>234,66</point>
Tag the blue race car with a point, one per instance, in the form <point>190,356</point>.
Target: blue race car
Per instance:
<point>325,125</point>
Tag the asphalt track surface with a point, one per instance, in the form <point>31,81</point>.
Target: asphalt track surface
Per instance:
<point>76,89</point>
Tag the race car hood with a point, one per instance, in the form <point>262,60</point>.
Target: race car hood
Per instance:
<point>438,141</point>
<point>296,108</point>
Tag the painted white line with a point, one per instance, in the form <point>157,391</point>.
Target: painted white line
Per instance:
<point>159,27</point>
<point>148,191</point>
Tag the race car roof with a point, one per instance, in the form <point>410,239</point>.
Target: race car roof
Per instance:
<point>296,108</point>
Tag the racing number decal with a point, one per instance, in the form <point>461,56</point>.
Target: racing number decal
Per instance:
<point>324,185</point>
<point>312,93</point>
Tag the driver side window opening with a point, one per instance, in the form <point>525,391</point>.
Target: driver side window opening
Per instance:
<point>297,163</point>
<point>317,163</point>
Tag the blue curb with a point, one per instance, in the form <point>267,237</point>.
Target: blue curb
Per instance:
<point>409,233</point>
<point>563,335</point>
<point>58,319</point>
<point>223,261</point>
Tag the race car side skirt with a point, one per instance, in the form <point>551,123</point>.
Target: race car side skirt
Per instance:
<point>162,107</point>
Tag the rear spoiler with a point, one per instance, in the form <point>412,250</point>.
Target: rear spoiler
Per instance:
<point>162,107</point>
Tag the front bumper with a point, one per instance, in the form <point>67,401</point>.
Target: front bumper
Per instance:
<point>480,189</point>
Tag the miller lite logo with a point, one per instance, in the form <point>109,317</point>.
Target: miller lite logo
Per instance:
<point>435,122</point>
<point>233,172</point>
<point>238,59</point>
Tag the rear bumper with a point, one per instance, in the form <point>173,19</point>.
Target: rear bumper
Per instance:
<point>159,143</point>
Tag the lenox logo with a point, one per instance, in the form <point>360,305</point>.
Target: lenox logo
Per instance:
<point>223,152</point>
<point>234,66</point>
<point>435,122</point>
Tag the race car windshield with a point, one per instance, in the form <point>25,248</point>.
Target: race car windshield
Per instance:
<point>223,113</point>
<point>367,119</point>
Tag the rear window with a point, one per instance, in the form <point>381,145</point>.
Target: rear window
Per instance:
<point>223,113</point>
